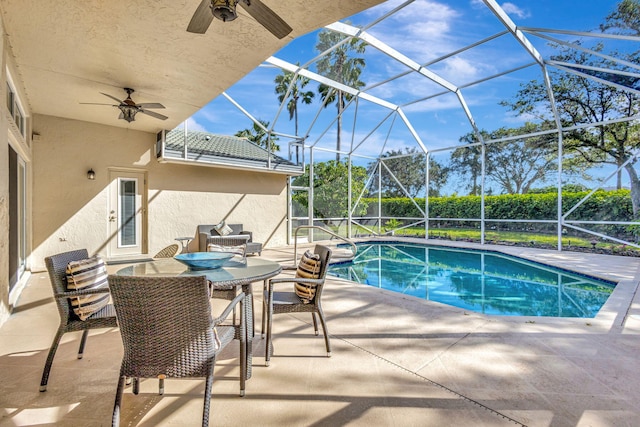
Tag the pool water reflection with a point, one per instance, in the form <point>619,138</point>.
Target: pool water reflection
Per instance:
<point>481,281</point>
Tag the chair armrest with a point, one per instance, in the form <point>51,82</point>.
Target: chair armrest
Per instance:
<point>225,313</point>
<point>202,241</point>
<point>306,281</point>
<point>248,233</point>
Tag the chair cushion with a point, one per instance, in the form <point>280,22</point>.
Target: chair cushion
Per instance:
<point>240,250</point>
<point>86,274</point>
<point>308,268</point>
<point>223,229</point>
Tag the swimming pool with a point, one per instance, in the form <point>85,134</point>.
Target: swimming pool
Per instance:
<point>481,281</point>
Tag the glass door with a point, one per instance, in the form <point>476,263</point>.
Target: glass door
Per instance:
<point>126,214</point>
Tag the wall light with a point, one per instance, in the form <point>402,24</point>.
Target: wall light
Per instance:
<point>91,174</point>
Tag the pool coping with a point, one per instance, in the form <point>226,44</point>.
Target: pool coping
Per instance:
<point>613,314</point>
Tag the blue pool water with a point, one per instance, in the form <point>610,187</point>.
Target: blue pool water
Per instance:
<point>481,281</point>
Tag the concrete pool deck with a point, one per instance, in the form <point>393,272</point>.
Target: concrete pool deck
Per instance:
<point>397,361</point>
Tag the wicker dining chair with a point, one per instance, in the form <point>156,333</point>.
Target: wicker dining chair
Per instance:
<point>69,321</point>
<point>291,302</point>
<point>168,251</point>
<point>229,292</point>
<point>168,332</point>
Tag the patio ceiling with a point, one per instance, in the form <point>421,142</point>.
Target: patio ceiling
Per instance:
<point>67,52</point>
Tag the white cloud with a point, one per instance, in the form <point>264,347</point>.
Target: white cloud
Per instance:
<point>460,70</point>
<point>193,125</point>
<point>427,27</point>
<point>512,9</point>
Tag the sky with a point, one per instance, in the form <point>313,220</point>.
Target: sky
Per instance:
<point>423,31</point>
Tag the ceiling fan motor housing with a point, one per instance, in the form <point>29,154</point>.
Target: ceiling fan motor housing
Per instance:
<point>224,10</point>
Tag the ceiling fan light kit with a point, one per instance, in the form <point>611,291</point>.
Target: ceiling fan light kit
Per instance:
<point>225,10</point>
<point>128,108</point>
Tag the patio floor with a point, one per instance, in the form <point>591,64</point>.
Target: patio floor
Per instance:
<point>396,361</point>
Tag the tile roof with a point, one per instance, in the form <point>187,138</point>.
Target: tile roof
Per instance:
<point>223,150</point>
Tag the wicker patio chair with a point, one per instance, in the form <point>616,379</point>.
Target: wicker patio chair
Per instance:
<point>229,292</point>
<point>167,331</point>
<point>169,251</point>
<point>69,321</point>
<point>290,301</point>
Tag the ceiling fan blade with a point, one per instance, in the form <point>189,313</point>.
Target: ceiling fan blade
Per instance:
<point>150,105</point>
<point>201,19</point>
<point>96,103</point>
<point>266,17</point>
<point>153,114</point>
<point>119,101</point>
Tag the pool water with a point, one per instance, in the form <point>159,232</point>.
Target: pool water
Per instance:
<point>481,281</point>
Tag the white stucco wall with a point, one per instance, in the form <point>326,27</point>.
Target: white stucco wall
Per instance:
<point>70,211</point>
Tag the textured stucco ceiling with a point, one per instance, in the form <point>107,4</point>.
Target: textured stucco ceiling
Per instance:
<point>68,51</point>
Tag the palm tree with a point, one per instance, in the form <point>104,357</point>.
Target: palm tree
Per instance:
<point>296,94</point>
<point>339,66</point>
<point>259,136</point>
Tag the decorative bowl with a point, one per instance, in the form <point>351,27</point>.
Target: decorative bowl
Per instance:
<point>204,260</point>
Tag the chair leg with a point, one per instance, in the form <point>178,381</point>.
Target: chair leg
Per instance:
<point>115,418</point>
<point>207,396</point>
<point>253,316</point>
<point>135,387</point>
<point>83,341</point>
<point>268,350</point>
<point>325,330</point>
<point>244,356</point>
<point>315,322</point>
<point>49,362</point>
<point>264,309</point>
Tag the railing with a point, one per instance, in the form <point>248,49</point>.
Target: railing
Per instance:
<point>354,248</point>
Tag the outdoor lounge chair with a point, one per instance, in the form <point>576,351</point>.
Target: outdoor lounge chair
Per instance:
<point>69,321</point>
<point>167,331</point>
<point>207,234</point>
<point>291,301</point>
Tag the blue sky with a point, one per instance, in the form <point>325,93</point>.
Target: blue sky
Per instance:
<point>423,31</point>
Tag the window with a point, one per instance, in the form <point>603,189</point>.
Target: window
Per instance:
<point>13,105</point>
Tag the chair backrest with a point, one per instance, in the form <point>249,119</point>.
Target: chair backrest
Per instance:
<point>325,258</point>
<point>57,268</point>
<point>165,324</point>
<point>169,251</point>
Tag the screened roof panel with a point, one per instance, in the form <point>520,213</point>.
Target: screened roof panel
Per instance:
<point>437,68</point>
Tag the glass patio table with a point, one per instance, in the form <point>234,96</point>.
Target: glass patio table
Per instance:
<point>232,273</point>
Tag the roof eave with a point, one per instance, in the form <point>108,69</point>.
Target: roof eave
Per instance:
<point>287,170</point>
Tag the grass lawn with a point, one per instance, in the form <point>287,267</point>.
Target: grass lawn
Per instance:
<point>506,237</point>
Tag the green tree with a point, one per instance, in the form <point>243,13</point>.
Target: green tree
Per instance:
<point>296,94</point>
<point>330,189</point>
<point>624,19</point>
<point>259,136</point>
<point>580,101</point>
<point>467,162</point>
<point>515,166</point>
<point>408,167</point>
<point>519,164</point>
<point>339,65</point>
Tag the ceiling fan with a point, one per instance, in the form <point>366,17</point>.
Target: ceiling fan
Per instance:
<point>225,10</point>
<point>129,109</point>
